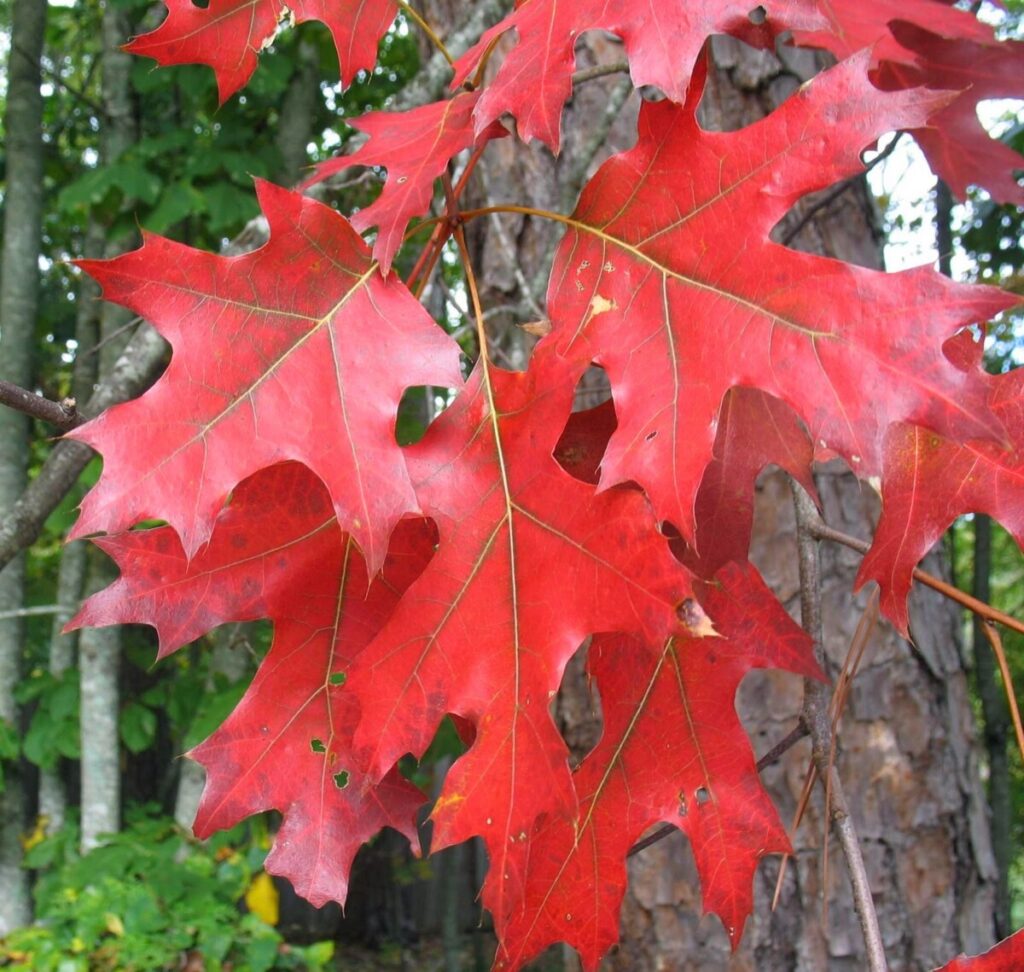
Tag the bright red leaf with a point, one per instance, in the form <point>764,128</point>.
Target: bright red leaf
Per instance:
<point>299,350</point>
<point>415,147</point>
<point>662,40</point>
<point>754,430</point>
<point>530,562</point>
<point>676,290</point>
<point>1005,956</point>
<point>930,480</point>
<point>673,751</point>
<point>957,146</point>
<point>853,27</point>
<point>229,35</point>
<point>277,552</point>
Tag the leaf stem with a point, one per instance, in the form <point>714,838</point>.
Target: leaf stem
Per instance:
<point>823,531</point>
<point>1011,696</point>
<point>413,14</point>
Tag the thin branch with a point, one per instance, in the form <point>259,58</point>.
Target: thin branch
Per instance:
<point>816,717</point>
<point>773,755</point>
<point>31,612</point>
<point>63,414</point>
<point>134,371</point>
<point>832,195</point>
<point>414,15</point>
<point>599,71</point>
<point>823,531</point>
<point>113,335</point>
<point>1011,696</point>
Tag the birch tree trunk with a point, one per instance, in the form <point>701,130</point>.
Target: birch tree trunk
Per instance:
<point>19,300</point>
<point>73,561</point>
<point>99,649</point>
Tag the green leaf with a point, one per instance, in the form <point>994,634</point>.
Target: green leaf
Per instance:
<point>137,726</point>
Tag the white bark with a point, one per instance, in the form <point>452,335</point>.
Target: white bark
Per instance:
<point>99,654</point>
<point>19,298</point>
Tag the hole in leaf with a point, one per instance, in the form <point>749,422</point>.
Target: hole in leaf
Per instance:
<point>201,4</point>
<point>338,678</point>
<point>581,447</point>
<point>576,708</point>
<point>702,795</point>
<point>341,779</point>
<point>758,15</point>
<point>317,745</point>
<point>419,406</point>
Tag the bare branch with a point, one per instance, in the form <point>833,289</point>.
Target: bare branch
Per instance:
<point>63,414</point>
<point>818,722</point>
<point>134,371</point>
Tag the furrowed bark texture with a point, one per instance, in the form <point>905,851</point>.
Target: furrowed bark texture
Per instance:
<point>907,742</point>
<point>19,301</point>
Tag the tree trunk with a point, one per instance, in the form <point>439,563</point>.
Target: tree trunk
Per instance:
<point>100,649</point>
<point>907,740</point>
<point>19,300</point>
<point>73,559</point>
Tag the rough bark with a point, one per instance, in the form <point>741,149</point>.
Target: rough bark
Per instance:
<point>19,299</point>
<point>906,742</point>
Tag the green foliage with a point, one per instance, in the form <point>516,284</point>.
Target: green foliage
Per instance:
<point>149,899</point>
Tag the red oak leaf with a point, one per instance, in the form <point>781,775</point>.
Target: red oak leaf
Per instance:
<point>930,480</point>
<point>957,146</point>
<point>415,147</point>
<point>583,441</point>
<point>299,350</point>
<point>673,751</point>
<point>675,288</point>
<point>852,27</point>
<point>1004,956</point>
<point>228,35</point>
<point>277,552</point>
<point>530,562</point>
<point>662,40</point>
<point>754,430</point>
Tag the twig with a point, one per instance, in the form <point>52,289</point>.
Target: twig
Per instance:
<point>1011,697</point>
<point>414,15</point>
<point>817,718</point>
<point>117,332</point>
<point>134,371</point>
<point>823,531</point>
<point>63,414</point>
<point>773,754</point>
<point>599,71</point>
<point>832,195</point>
<point>31,612</point>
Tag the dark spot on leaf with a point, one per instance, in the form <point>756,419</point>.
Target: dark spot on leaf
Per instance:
<point>651,436</point>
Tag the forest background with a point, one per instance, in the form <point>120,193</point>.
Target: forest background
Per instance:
<point>94,794</point>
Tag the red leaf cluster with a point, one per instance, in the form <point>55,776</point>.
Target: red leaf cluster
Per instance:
<point>458,576</point>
